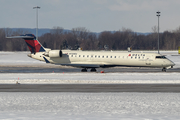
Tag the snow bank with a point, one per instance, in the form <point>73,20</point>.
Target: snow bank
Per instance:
<point>93,78</point>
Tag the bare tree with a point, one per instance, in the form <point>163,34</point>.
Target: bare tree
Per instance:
<point>8,32</point>
<point>80,33</point>
<point>155,29</point>
<point>57,30</point>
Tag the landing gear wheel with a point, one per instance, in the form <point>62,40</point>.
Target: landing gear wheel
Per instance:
<point>93,70</point>
<point>84,70</point>
<point>164,69</point>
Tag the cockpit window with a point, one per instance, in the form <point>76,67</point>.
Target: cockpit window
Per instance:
<point>160,57</point>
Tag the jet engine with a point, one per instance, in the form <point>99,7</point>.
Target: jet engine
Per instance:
<point>54,53</point>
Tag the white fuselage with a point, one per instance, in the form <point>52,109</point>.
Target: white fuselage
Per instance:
<point>95,59</point>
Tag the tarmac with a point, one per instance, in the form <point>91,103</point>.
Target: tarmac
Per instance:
<point>94,88</point>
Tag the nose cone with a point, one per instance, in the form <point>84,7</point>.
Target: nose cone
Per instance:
<point>173,64</point>
<point>170,63</point>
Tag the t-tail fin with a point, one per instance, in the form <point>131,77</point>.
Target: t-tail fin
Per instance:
<point>33,44</point>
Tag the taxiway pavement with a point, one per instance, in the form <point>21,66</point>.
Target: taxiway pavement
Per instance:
<point>90,88</point>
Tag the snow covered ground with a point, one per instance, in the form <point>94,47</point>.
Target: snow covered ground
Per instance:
<point>90,106</point>
<point>17,58</point>
<point>80,106</point>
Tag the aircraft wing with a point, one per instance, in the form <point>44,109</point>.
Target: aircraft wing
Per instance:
<point>82,65</point>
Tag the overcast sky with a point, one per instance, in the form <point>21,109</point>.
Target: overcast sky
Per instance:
<point>94,15</point>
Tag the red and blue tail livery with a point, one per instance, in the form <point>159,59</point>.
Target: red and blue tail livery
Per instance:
<point>33,44</point>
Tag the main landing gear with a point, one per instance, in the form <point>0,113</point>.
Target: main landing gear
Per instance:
<point>93,70</point>
<point>85,70</point>
<point>164,69</point>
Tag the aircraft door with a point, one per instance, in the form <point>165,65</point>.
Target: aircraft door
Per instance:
<point>149,61</point>
<point>91,57</point>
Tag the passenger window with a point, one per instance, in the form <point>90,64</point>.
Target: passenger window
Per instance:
<point>102,56</point>
<point>71,55</point>
<point>114,56</point>
<point>106,56</point>
<point>111,57</point>
<point>98,56</point>
<point>87,55</point>
<point>91,55</point>
<point>79,55</point>
<point>83,55</point>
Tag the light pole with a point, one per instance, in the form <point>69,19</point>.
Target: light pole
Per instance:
<point>37,7</point>
<point>158,14</point>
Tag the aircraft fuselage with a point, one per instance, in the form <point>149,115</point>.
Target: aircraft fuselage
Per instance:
<point>95,59</point>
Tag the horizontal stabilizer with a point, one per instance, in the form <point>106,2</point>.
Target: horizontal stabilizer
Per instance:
<point>26,36</point>
<point>23,37</point>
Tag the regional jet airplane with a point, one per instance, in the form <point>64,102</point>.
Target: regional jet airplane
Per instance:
<point>94,59</point>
